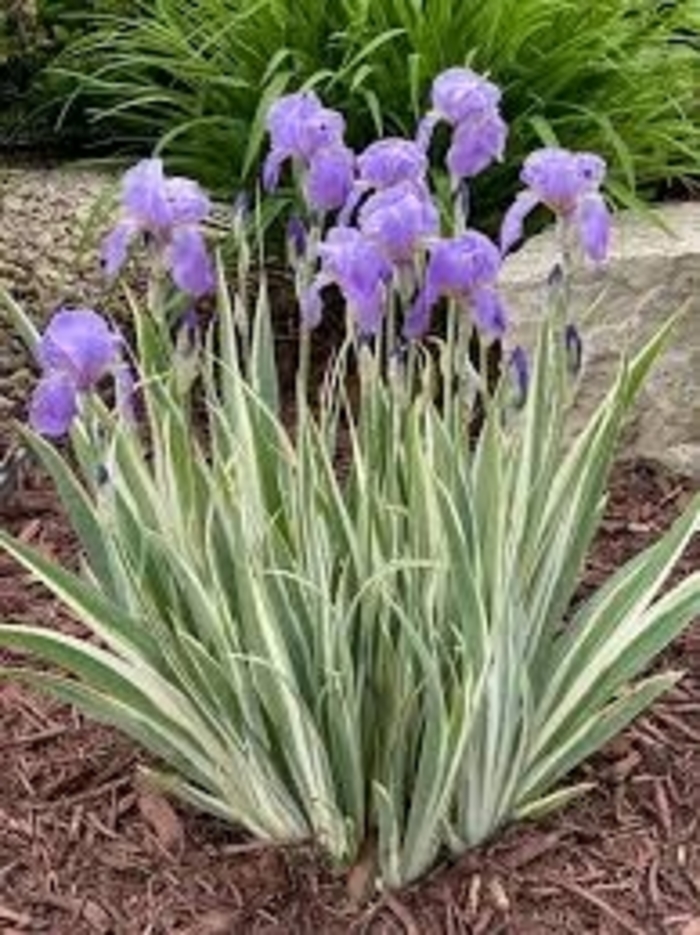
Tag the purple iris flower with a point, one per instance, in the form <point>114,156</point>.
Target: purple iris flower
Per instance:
<point>459,94</point>
<point>470,104</point>
<point>170,212</point>
<point>391,161</point>
<point>384,164</point>
<point>299,126</point>
<point>360,271</point>
<point>76,350</point>
<point>399,219</point>
<point>569,185</point>
<point>329,179</point>
<point>464,268</point>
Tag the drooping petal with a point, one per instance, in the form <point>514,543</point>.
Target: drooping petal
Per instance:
<point>417,321</point>
<point>593,222</point>
<point>514,219</point>
<point>54,405</point>
<point>272,166</point>
<point>367,306</point>
<point>78,343</point>
<point>329,180</point>
<point>476,143</point>
<point>145,195</point>
<point>189,262</point>
<point>489,312</point>
<point>115,246</point>
<point>426,128</point>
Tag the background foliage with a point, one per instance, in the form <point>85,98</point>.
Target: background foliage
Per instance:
<point>32,34</point>
<point>617,76</point>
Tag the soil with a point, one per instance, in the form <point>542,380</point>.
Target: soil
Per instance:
<point>85,848</point>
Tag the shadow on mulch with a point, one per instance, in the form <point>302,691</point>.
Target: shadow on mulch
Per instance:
<point>84,849</point>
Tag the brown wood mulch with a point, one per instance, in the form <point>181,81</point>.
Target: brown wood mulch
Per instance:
<point>85,849</point>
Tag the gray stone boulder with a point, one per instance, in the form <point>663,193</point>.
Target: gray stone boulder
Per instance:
<point>653,270</point>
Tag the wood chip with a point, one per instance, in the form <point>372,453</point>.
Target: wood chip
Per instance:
<point>17,918</point>
<point>499,897</point>
<point>97,918</point>
<point>402,913</point>
<point>216,922</point>
<point>625,922</point>
<point>162,818</point>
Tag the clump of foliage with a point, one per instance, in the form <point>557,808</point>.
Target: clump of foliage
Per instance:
<point>382,657</point>
<point>618,77</point>
<point>32,34</point>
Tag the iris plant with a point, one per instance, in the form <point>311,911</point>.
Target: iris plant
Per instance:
<point>384,660</point>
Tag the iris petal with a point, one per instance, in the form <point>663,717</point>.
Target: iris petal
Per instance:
<point>593,221</point>
<point>367,307</point>
<point>417,321</point>
<point>476,143</point>
<point>115,246</point>
<point>272,166</point>
<point>54,405</point>
<point>489,312</point>
<point>189,261</point>
<point>514,219</point>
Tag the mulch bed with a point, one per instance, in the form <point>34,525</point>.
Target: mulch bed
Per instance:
<point>84,848</point>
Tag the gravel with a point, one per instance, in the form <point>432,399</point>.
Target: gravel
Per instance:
<point>51,220</point>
